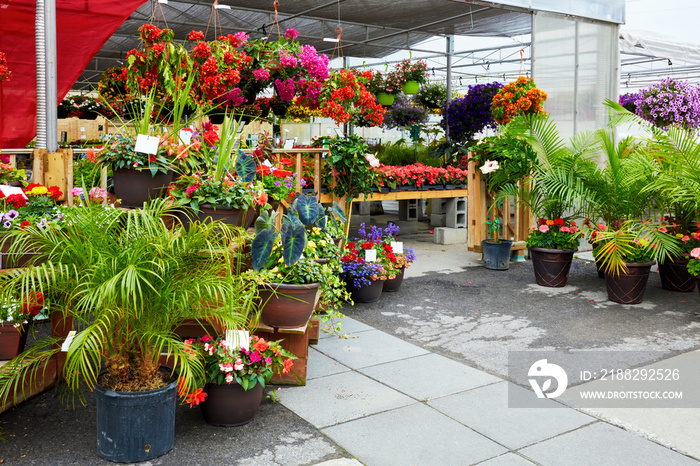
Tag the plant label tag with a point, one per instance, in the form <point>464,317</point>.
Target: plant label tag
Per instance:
<point>68,341</point>
<point>289,144</point>
<point>238,339</point>
<point>146,144</point>
<point>185,136</point>
<point>8,190</point>
<point>370,255</point>
<point>397,247</point>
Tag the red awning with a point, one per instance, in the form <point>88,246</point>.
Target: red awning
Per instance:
<point>82,28</point>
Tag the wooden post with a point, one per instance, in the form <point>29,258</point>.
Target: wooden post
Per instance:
<point>38,165</point>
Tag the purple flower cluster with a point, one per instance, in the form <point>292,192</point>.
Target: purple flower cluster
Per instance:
<point>285,89</point>
<point>410,254</point>
<point>362,274</point>
<point>670,102</point>
<point>472,113</point>
<point>375,233</point>
<point>405,113</point>
<point>627,101</point>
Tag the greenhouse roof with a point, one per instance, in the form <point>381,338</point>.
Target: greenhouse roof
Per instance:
<point>370,28</point>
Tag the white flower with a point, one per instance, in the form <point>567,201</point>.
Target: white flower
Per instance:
<point>373,161</point>
<point>229,378</point>
<point>489,166</point>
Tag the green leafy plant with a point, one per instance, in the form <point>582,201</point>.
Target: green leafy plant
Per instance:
<point>127,280</point>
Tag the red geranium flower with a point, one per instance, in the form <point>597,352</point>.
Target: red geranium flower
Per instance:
<point>17,200</point>
<point>33,303</point>
<point>24,224</point>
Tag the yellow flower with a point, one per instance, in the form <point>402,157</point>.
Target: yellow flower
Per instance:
<point>678,235</point>
<point>311,245</point>
<point>323,242</point>
<point>275,270</point>
<point>316,230</point>
<point>39,190</point>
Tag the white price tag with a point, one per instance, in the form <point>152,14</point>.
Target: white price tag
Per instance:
<point>185,136</point>
<point>238,339</point>
<point>8,190</point>
<point>397,247</point>
<point>370,255</point>
<point>68,341</point>
<point>146,144</point>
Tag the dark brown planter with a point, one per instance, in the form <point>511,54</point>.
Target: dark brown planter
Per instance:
<point>229,215</point>
<point>394,284</point>
<point>134,187</point>
<point>551,266</point>
<point>287,306</point>
<point>365,294</point>
<point>628,287</point>
<point>600,267</point>
<point>675,276</point>
<point>12,340</point>
<point>229,405</point>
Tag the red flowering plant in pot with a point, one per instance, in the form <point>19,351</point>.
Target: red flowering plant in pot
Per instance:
<point>389,252</point>
<point>552,244</point>
<point>15,322</point>
<point>520,97</point>
<point>344,92</point>
<point>235,372</point>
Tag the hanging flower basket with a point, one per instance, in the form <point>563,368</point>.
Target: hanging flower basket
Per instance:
<point>385,99</point>
<point>411,87</point>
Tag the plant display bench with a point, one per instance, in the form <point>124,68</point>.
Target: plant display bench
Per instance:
<point>294,340</point>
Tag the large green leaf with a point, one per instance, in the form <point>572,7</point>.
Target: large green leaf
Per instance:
<point>262,247</point>
<point>293,241</point>
<point>245,167</point>
<point>307,209</point>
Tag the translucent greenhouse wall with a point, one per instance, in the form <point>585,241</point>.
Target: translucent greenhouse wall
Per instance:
<point>576,62</point>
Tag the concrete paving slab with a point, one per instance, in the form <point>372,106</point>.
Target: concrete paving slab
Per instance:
<point>414,435</point>
<point>350,327</point>
<point>320,365</point>
<point>341,462</point>
<point>485,410</point>
<point>603,443</point>
<point>454,377</point>
<point>341,397</point>
<point>368,349</point>
<point>677,427</point>
<point>509,459</point>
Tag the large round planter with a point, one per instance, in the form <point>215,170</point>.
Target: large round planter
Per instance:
<point>287,306</point>
<point>628,287</point>
<point>364,294</point>
<point>385,99</point>
<point>229,215</point>
<point>12,340</point>
<point>551,266</point>
<point>134,187</point>
<point>496,254</point>
<point>411,87</point>
<point>135,426</point>
<point>229,405</point>
<point>674,274</point>
<point>394,284</point>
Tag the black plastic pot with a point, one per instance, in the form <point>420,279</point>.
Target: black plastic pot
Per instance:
<point>551,266</point>
<point>364,294</point>
<point>135,426</point>
<point>496,254</point>
<point>394,284</point>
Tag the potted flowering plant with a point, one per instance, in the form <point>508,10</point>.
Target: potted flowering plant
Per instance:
<point>11,175</point>
<point>552,244</point>
<point>404,113</point>
<point>669,102</point>
<point>344,92</point>
<point>235,374</point>
<point>14,324</point>
<point>35,208</point>
<point>391,253</point>
<point>519,97</point>
<point>694,264</point>
<point>411,75</point>
<point>466,116</point>
<point>364,278</point>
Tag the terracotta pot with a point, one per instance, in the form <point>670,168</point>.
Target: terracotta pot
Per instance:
<point>229,215</point>
<point>287,306</point>
<point>628,287</point>
<point>551,266</point>
<point>12,340</point>
<point>229,405</point>
<point>496,254</point>
<point>394,284</point>
<point>675,276</point>
<point>134,187</point>
<point>364,294</point>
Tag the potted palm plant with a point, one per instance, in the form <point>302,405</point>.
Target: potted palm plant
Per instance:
<point>127,280</point>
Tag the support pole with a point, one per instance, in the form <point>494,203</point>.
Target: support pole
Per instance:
<point>47,98</point>
<point>450,50</point>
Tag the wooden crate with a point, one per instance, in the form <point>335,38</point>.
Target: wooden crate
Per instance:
<point>296,341</point>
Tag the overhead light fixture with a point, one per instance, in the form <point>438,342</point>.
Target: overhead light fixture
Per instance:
<point>330,39</point>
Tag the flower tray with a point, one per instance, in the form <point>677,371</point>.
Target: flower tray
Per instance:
<point>431,187</point>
